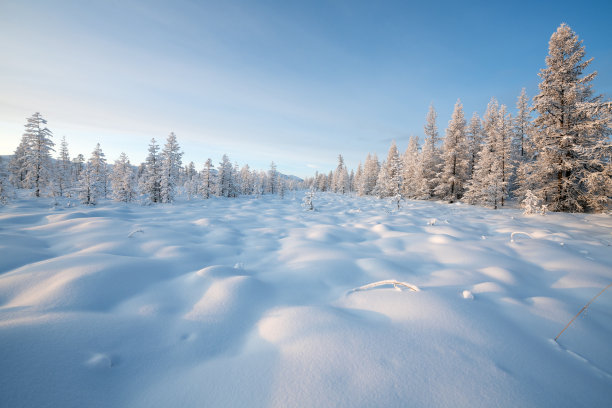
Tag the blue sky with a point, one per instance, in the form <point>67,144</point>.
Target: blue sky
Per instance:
<point>297,82</point>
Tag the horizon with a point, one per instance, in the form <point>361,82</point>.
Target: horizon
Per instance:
<point>247,81</point>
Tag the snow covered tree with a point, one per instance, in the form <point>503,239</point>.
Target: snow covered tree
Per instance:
<point>489,183</point>
<point>358,180</point>
<point>246,177</point>
<point>474,143</point>
<point>571,171</point>
<point>77,167</point>
<point>414,184</point>
<point>389,181</point>
<point>225,182</point>
<point>207,182</point>
<point>17,165</point>
<point>38,153</point>
<point>150,182</point>
<point>522,129</point>
<point>63,178</point>
<point>191,180</point>
<point>170,168</point>
<point>272,184</point>
<point>371,168</point>
<point>431,160</point>
<point>340,182</point>
<point>122,180</point>
<point>455,158</point>
<point>93,177</point>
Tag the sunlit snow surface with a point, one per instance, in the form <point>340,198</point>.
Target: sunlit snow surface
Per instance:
<point>251,302</point>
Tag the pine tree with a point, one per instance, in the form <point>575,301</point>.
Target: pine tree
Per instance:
<point>63,175</point>
<point>572,129</point>
<point>122,180</point>
<point>93,177</point>
<point>224,178</point>
<point>358,180</point>
<point>246,177</point>
<point>207,180</point>
<point>340,182</point>
<point>489,183</point>
<point>455,158</point>
<point>272,184</point>
<point>17,165</point>
<point>431,161</point>
<point>522,129</point>
<point>38,153</point>
<point>474,142</point>
<point>504,152</point>
<point>77,167</point>
<point>371,169</point>
<point>170,168</point>
<point>414,184</point>
<point>150,183</point>
<point>389,183</point>
<point>191,180</point>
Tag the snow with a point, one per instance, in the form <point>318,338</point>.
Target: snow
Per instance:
<point>258,302</point>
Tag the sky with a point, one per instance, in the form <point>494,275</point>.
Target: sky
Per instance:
<point>294,82</point>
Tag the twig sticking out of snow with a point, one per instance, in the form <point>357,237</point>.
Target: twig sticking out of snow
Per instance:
<point>518,232</point>
<point>131,234</point>
<point>386,282</point>
<point>582,310</point>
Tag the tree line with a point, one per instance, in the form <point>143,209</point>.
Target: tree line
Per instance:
<point>560,160</point>
<point>158,180</point>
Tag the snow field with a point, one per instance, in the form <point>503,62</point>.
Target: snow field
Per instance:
<point>256,302</point>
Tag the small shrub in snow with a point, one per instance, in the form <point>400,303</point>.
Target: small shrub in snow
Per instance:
<point>307,202</point>
<point>532,204</point>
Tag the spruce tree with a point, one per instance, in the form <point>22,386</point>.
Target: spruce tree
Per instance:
<point>431,161</point>
<point>207,180</point>
<point>455,158</point>
<point>474,142</point>
<point>92,183</point>
<point>122,180</point>
<point>150,183</point>
<point>170,168</point>
<point>37,159</point>
<point>572,129</point>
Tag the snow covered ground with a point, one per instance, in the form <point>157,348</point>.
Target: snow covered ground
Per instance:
<point>250,302</point>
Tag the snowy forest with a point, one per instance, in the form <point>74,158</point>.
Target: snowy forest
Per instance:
<point>558,161</point>
<point>553,153</point>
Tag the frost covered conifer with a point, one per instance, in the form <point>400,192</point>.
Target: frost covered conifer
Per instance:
<point>571,171</point>
<point>191,180</point>
<point>414,184</point>
<point>474,143</point>
<point>93,178</point>
<point>389,183</point>
<point>78,163</point>
<point>455,158</point>
<point>37,159</point>
<point>358,180</point>
<point>522,129</point>
<point>371,168</point>
<point>122,180</point>
<point>340,181</point>
<point>63,176</point>
<point>150,183</point>
<point>246,178</point>
<point>272,184</point>
<point>207,180</point>
<point>431,160</point>
<point>225,182</point>
<point>17,164</point>
<point>488,185</point>
<point>170,168</point>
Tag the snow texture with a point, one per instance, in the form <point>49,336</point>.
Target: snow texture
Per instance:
<point>248,302</point>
